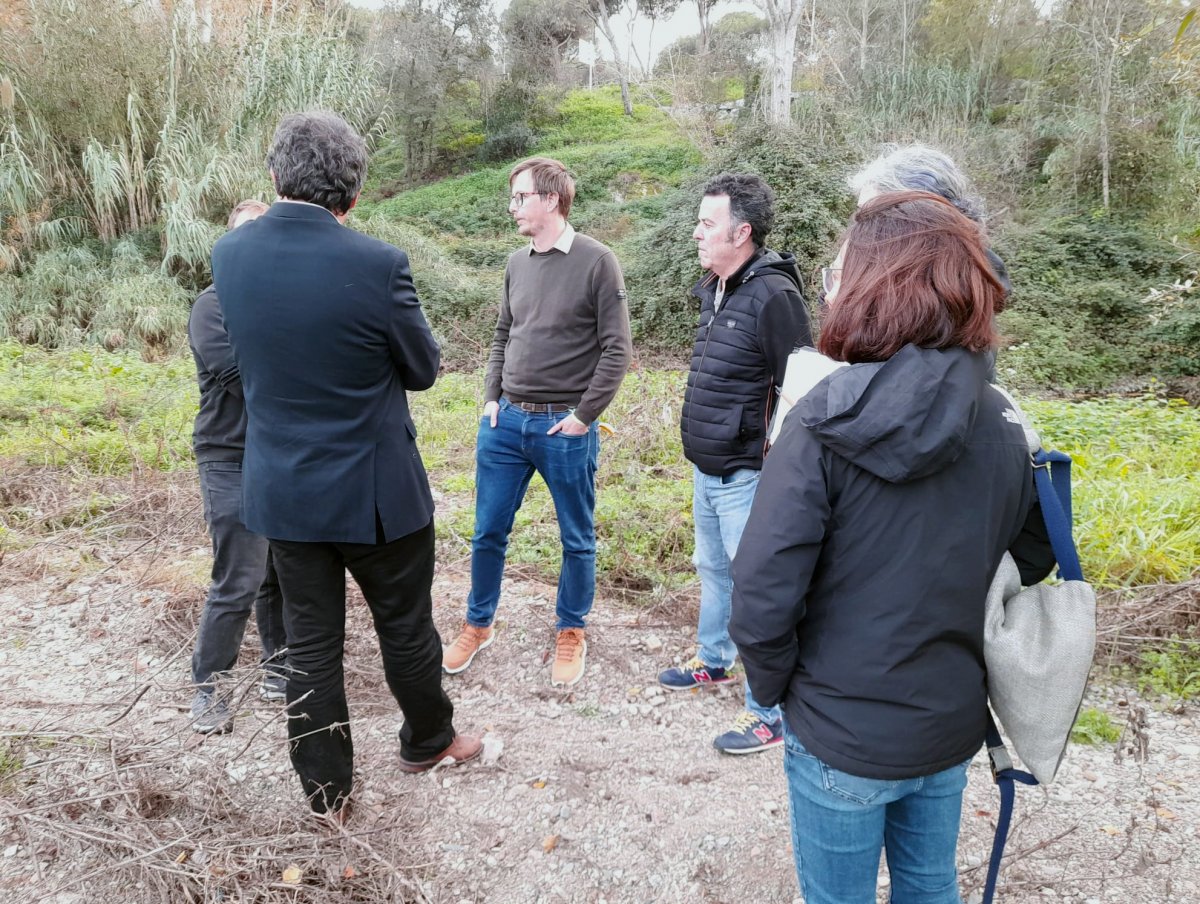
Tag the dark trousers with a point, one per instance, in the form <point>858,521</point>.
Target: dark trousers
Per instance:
<point>395,579</point>
<point>242,579</point>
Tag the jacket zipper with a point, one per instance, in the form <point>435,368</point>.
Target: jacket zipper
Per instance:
<point>703,352</point>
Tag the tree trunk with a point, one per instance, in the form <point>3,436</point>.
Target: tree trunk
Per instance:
<point>783,17</point>
<point>862,40</point>
<point>783,57</point>
<point>703,9</point>
<point>599,13</point>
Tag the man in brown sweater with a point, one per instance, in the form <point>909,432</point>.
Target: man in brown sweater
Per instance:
<point>560,351</point>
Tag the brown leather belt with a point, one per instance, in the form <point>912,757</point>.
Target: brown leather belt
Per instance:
<point>541,407</point>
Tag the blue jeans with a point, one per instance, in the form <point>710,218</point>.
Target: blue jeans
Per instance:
<point>720,507</point>
<point>242,579</point>
<point>841,821</point>
<point>506,457</point>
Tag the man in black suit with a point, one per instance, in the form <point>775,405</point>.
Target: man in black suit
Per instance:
<point>328,335</point>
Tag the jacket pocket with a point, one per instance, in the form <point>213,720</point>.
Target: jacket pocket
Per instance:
<point>730,429</point>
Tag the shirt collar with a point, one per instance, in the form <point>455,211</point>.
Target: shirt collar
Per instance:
<point>307,204</point>
<point>563,243</point>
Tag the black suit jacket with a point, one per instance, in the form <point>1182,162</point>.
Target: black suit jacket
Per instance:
<point>328,334</point>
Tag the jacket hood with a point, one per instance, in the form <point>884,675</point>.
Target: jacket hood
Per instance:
<point>764,262</point>
<point>902,419</point>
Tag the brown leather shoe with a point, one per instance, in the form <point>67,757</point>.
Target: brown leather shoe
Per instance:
<point>570,651</point>
<point>336,819</point>
<point>461,749</point>
<point>458,655</point>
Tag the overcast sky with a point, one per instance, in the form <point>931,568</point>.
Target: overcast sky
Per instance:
<point>684,22</point>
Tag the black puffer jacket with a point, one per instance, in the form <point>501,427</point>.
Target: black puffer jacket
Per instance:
<point>740,355</point>
<point>860,580</point>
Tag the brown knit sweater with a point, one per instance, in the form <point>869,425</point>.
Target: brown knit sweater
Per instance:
<point>563,332</point>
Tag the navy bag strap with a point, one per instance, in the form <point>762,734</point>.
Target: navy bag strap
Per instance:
<point>1052,476</point>
<point>1004,775</point>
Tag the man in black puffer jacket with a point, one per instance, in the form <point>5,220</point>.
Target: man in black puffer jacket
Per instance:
<point>752,315</point>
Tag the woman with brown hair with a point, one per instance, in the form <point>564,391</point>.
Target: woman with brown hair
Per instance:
<point>884,508</point>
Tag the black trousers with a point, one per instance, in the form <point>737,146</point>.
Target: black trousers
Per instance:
<point>395,579</point>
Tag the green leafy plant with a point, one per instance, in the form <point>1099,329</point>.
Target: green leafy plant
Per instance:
<point>1094,727</point>
<point>1174,671</point>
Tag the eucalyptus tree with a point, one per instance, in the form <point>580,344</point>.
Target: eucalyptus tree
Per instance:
<point>783,20</point>
<point>704,10</point>
<point>652,11</point>
<point>601,13</point>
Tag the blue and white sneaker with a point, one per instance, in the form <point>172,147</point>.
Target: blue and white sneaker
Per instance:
<point>750,734</point>
<point>693,673</point>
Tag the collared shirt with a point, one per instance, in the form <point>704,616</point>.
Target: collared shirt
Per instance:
<point>563,243</point>
<point>309,203</point>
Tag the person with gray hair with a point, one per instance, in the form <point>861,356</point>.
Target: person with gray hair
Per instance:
<point>918,167</point>
<point>329,337</point>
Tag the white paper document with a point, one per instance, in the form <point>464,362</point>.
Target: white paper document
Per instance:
<point>805,369</point>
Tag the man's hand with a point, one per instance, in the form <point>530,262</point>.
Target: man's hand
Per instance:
<point>570,425</point>
<point>491,410</point>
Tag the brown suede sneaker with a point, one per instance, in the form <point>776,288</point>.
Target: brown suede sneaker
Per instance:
<point>570,651</point>
<point>461,749</point>
<point>458,655</point>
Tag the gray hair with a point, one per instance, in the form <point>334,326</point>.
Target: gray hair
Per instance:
<point>317,157</point>
<point>751,201</point>
<point>917,167</point>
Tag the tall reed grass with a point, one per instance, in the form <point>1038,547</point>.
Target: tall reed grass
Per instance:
<point>185,142</point>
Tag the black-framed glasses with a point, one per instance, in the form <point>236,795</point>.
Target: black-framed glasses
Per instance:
<point>830,277</point>
<point>517,198</point>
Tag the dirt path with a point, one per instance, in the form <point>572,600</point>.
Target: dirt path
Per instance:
<point>609,793</point>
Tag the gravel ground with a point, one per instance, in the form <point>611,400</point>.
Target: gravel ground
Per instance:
<point>608,793</point>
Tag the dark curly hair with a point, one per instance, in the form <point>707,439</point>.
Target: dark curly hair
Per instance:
<point>751,201</point>
<point>317,157</point>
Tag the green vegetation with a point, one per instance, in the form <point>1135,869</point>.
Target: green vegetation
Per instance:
<point>1094,727</point>
<point>1137,505</point>
<point>1173,672</point>
<point>461,229</point>
<point>1080,312</point>
<point>1136,499</point>
<point>1076,119</point>
<point>95,411</point>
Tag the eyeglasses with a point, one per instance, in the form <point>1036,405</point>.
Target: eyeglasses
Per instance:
<point>517,198</point>
<point>830,277</point>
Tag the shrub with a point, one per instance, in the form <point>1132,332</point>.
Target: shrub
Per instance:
<point>1076,317</point>
<point>1174,330</point>
<point>812,207</point>
<point>1174,672</point>
<point>513,140</point>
